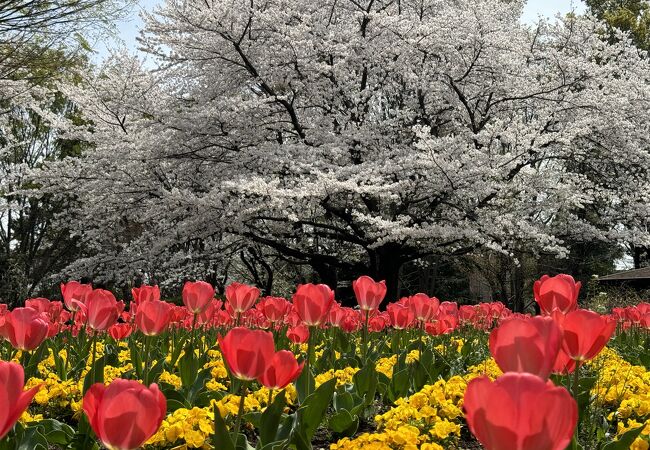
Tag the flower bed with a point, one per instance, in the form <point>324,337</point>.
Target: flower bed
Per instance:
<point>272,373</point>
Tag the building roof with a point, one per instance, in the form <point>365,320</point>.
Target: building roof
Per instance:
<point>634,274</point>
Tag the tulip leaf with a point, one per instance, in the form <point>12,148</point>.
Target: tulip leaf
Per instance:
<point>342,342</point>
<point>399,385</point>
<point>344,423</point>
<point>625,441</point>
<point>274,445</point>
<point>96,374</point>
<point>343,401</point>
<point>198,385</point>
<point>178,348</point>
<point>56,432</point>
<point>427,359</point>
<point>420,376</point>
<point>221,439</point>
<point>154,373</point>
<point>365,383</point>
<point>34,359</point>
<point>344,362</point>
<point>136,358</point>
<point>188,368</point>
<point>242,443</point>
<point>312,410</point>
<point>32,439</point>
<point>270,420</point>
<point>304,384</point>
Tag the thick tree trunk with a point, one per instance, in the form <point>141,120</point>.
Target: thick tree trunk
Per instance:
<point>326,275</point>
<point>386,263</point>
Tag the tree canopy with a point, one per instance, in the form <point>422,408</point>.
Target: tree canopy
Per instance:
<point>354,137</point>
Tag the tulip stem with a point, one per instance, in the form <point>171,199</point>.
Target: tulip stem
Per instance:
<point>310,351</point>
<point>69,335</point>
<point>268,403</point>
<point>92,365</point>
<point>244,388</point>
<point>193,333</point>
<point>147,355</point>
<point>576,392</point>
<point>421,343</point>
<point>365,338</point>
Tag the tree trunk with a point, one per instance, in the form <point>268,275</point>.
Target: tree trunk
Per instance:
<point>326,275</point>
<point>386,263</point>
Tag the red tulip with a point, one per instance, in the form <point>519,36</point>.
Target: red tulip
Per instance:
<point>584,333</point>
<point>145,293</point>
<point>368,292</point>
<point>338,314</point>
<point>645,320</point>
<point>526,345</point>
<point>313,302</point>
<point>12,397</point>
<point>197,295</point>
<point>25,328</point>
<point>124,414</point>
<point>444,324</point>
<point>74,294</point>
<point>120,331</point>
<point>298,334</point>
<point>352,323</point>
<point>274,308</point>
<point>520,411</point>
<point>40,304</point>
<point>378,322</point>
<point>466,313</point>
<point>241,296</point>
<point>563,363</point>
<point>423,306</point>
<point>153,317</point>
<point>401,317</point>
<point>247,352</point>
<point>556,293</point>
<point>448,309</point>
<point>208,314</point>
<point>281,370</point>
<point>102,310</point>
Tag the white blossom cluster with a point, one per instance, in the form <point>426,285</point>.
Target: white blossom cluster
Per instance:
<point>358,135</point>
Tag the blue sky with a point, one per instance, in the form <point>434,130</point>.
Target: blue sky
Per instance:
<point>128,29</point>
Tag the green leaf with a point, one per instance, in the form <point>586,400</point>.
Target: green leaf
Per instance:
<point>35,358</point>
<point>365,383</point>
<point>312,410</point>
<point>198,385</point>
<point>399,385</point>
<point>305,380</point>
<point>98,373</point>
<point>188,367</point>
<point>32,440</point>
<point>427,358</point>
<point>625,441</point>
<point>343,401</point>
<point>221,438</point>
<point>420,376</point>
<point>277,445</point>
<point>270,421</point>
<point>344,423</point>
<point>83,43</point>
<point>136,358</point>
<point>56,432</point>
<point>178,347</point>
<point>155,371</point>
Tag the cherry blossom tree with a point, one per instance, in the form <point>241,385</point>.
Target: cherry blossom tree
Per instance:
<point>354,136</point>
